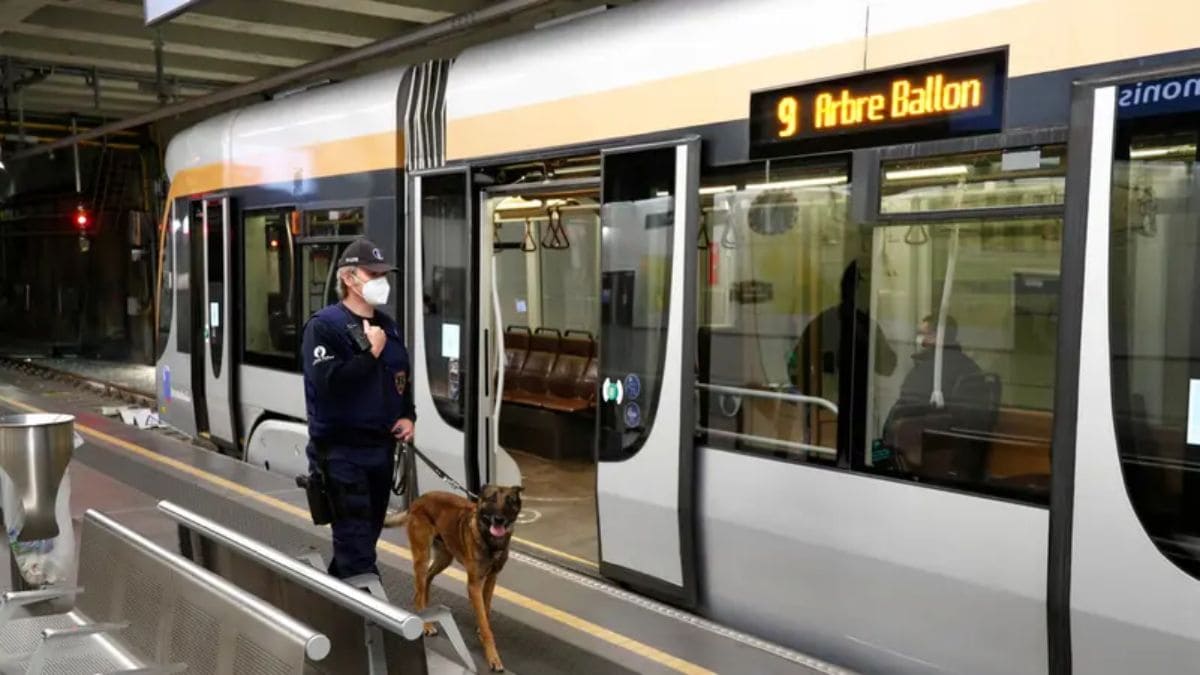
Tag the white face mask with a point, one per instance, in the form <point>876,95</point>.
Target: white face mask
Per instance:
<point>376,291</point>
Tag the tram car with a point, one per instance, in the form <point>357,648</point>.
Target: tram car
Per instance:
<point>865,327</point>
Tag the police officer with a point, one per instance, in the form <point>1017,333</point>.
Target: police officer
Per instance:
<point>357,377</point>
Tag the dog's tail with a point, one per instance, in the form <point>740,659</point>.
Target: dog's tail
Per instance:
<point>397,519</point>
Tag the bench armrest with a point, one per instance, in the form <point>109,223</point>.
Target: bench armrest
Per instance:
<point>11,601</point>
<point>52,639</point>
<point>60,634</point>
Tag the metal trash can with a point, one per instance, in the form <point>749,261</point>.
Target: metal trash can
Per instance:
<point>34,452</point>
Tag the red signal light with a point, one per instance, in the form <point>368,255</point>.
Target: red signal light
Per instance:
<point>82,218</point>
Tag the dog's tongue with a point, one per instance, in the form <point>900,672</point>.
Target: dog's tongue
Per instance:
<point>497,530</point>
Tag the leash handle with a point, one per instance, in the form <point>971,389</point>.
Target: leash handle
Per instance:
<point>403,447</point>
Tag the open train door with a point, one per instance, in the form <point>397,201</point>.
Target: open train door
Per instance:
<point>443,306</point>
<point>645,426</point>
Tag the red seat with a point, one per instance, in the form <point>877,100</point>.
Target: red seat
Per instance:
<point>532,382</point>
<point>569,371</point>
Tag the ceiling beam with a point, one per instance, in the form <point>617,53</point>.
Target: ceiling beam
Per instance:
<point>498,12</point>
<point>253,18</point>
<point>133,60</point>
<point>13,12</point>
<point>146,44</point>
<point>403,11</point>
<point>81,105</point>
<point>110,84</point>
<point>43,89</point>
<point>124,31</point>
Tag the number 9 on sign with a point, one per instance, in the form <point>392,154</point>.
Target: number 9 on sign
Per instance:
<point>789,116</point>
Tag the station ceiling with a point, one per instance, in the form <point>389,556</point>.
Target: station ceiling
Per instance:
<point>96,59</point>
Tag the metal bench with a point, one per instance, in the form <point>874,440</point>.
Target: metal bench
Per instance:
<point>140,608</point>
<point>368,634</point>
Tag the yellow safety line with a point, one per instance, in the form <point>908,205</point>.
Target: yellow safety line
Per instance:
<point>566,618</point>
<point>562,554</point>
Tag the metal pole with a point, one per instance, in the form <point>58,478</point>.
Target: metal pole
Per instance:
<point>417,38</point>
<point>21,116</point>
<point>75,154</point>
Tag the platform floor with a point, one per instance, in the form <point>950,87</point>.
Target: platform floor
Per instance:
<point>547,619</point>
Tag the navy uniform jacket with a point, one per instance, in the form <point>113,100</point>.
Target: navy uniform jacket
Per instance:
<point>352,397</point>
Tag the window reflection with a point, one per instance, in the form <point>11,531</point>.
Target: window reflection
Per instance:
<point>269,289</point>
<point>972,307</point>
<point>994,179</point>
<point>1155,341</point>
<point>777,279</point>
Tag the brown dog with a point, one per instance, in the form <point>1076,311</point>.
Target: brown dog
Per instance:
<point>443,527</point>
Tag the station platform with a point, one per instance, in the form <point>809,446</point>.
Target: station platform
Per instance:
<point>547,619</point>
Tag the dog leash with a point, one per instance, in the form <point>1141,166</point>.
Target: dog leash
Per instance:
<point>397,485</point>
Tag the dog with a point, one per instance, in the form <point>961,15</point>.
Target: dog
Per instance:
<point>443,527</point>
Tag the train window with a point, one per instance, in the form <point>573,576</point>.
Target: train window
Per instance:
<point>637,226</point>
<point>318,276</point>
<point>341,222</point>
<point>270,290</point>
<point>1155,327</point>
<point>971,306</point>
<point>776,251</point>
<point>1032,177</point>
<point>445,238</point>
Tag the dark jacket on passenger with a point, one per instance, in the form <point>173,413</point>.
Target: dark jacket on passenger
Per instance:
<point>967,403</point>
<point>352,397</point>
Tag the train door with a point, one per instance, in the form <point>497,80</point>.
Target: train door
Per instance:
<point>1130,532</point>
<point>213,366</point>
<point>442,310</point>
<point>645,429</point>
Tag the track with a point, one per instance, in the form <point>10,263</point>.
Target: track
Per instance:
<point>107,389</point>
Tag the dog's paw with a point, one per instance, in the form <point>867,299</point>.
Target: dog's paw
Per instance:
<point>430,630</point>
<point>495,665</point>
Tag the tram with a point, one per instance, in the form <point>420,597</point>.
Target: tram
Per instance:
<point>865,327</point>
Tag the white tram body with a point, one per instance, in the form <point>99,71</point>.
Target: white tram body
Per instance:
<point>700,348</point>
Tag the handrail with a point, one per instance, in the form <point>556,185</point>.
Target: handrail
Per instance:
<point>767,440</point>
<point>387,616</point>
<point>316,645</point>
<point>774,395</point>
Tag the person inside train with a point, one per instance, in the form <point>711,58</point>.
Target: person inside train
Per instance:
<point>823,337</point>
<point>357,376</point>
<point>966,398</point>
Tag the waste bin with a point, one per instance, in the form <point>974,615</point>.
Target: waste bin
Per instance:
<point>34,453</point>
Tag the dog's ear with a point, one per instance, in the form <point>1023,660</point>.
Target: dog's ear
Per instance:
<point>487,492</point>
<point>518,489</point>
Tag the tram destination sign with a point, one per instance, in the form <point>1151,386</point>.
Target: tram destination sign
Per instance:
<point>960,96</point>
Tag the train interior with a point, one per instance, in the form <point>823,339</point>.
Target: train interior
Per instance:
<point>788,284</point>
<point>792,296</point>
<point>544,221</point>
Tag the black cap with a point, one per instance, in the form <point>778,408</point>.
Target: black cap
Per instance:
<point>363,253</point>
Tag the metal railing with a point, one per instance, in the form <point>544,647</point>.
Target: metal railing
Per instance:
<point>770,395</point>
<point>376,612</point>
<point>743,392</point>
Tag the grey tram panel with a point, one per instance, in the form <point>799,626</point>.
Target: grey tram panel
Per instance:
<point>368,634</point>
<point>142,608</point>
<point>34,452</point>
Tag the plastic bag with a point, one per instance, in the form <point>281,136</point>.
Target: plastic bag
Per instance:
<point>44,562</point>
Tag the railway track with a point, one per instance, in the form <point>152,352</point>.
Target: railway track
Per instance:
<point>88,383</point>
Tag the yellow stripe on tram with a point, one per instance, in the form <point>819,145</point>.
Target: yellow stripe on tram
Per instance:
<point>566,618</point>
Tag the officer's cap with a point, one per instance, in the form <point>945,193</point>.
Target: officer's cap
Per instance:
<point>363,253</point>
